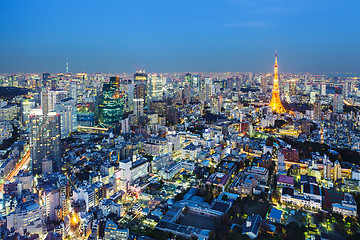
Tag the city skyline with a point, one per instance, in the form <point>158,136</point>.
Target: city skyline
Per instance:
<point>211,36</point>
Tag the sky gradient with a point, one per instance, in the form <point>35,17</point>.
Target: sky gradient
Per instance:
<point>180,36</point>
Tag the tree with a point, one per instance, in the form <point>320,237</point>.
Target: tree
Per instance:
<point>275,197</point>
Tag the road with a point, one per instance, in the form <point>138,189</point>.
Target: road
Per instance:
<point>19,165</point>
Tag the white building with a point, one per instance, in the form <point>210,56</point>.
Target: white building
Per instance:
<point>85,194</point>
<point>68,116</point>
<point>27,217</point>
<point>113,232</point>
<point>138,106</point>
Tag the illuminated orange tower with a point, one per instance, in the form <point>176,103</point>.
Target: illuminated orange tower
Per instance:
<point>275,102</point>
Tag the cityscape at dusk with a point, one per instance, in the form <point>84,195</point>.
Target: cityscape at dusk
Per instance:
<point>174,120</point>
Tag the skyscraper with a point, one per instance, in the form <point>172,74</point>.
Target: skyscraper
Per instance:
<point>46,78</point>
<point>188,79</point>
<point>317,111</point>
<point>263,84</point>
<point>275,102</point>
<point>337,171</point>
<point>140,77</point>
<point>50,98</point>
<point>292,87</point>
<point>156,87</point>
<point>208,89</point>
<point>112,104</point>
<point>68,116</point>
<point>323,89</point>
<point>140,91</point>
<point>44,139</point>
<point>138,106</point>
<point>338,104</point>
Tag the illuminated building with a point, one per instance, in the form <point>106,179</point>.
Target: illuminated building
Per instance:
<point>113,232</point>
<point>263,84</point>
<point>208,89</point>
<point>195,80</point>
<point>140,77</point>
<point>68,116</point>
<point>156,87</point>
<point>160,107</point>
<point>44,139</point>
<point>292,87</point>
<point>188,79</point>
<point>138,106</point>
<point>26,106</point>
<point>46,78</point>
<point>27,218</point>
<point>112,105</point>
<point>337,171</point>
<point>140,91</point>
<point>317,111</point>
<point>338,103</point>
<point>216,103</point>
<point>323,89</point>
<point>50,98</point>
<point>275,102</point>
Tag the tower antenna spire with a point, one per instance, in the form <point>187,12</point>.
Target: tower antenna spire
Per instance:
<point>275,102</point>
<point>67,65</point>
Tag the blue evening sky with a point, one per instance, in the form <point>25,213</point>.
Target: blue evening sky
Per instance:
<point>179,35</point>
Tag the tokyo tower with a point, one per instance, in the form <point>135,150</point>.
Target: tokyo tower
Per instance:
<point>275,102</point>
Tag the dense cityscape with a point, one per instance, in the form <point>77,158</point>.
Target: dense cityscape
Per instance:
<point>179,155</point>
<point>180,120</point>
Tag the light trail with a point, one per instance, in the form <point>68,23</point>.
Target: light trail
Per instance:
<point>19,165</point>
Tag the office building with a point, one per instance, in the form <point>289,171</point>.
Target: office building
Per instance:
<point>338,105</point>
<point>138,106</point>
<point>68,116</point>
<point>112,104</point>
<point>323,89</point>
<point>44,139</point>
<point>156,87</point>
<point>317,111</point>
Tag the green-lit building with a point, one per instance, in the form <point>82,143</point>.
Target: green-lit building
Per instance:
<point>111,106</point>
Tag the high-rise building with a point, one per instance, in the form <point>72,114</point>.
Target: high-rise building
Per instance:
<point>327,170</point>
<point>323,89</point>
<point>216,103</point>
<point>337,171</point>
<point>68,116</point>
<point>347,89</point>
<point>26,106</point>
<point>275,102</point>
<point>140,77</point>
<point>188,79</point>
<point>112,104</point>
<point>44,139</point>
<point>208,89</point>
<point>317,111</point>
<point>312,97</point>
<point>138,106</point>
<point>263,84</point>
<point>140,91</point>
<point>195,80</point>
<point>156,87</point>
<point>50,98</point>
<point>160,107</point>
<point>338,104</point>
<point>73,90</point>
<point>46,78</point>
<point>292,87</point>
